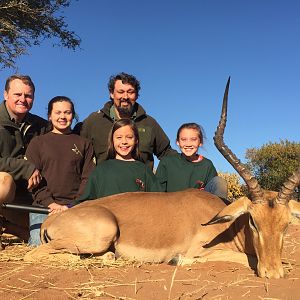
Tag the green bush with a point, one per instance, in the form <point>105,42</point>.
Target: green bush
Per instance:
<point>273,163</point>
<point>235,188</point>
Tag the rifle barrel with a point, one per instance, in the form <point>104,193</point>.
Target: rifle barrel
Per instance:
<point>29,208</point>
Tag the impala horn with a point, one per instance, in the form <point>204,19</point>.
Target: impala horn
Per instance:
<point>255,190</point>
<point>288,187</point>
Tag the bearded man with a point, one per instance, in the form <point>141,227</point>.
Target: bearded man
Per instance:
<point>124,92</point>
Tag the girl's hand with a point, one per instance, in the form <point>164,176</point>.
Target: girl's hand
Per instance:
<point>34,179</point>
<point>56,208</point>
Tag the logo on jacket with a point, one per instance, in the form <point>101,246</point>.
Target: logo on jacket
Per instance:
<point>76,150</point>
<point>140,183</point>
<point>200,185</point>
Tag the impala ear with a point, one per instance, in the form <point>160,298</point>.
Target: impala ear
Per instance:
<point>295,208</point>
<point>231,212</point>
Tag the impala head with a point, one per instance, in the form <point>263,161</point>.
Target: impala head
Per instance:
<point>269,214</point>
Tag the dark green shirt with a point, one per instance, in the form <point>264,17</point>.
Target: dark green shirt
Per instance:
<point>115,176</point>
<point>175,173</point>
<point>152,139</point>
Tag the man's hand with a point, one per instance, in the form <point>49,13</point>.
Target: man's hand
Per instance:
<point>56,208</point>
<point>34,179</point>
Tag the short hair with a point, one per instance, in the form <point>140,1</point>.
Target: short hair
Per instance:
<point>126,79</point>
<point>111,152</point>
<point>194,126</point>
<point>24,78</point>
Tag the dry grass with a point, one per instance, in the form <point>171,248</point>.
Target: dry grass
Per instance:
<point>16,250</point>
<point>110,280</point>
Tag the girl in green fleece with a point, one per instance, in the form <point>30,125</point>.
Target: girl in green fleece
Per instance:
<point>190,169</point>
<point>122,171</point>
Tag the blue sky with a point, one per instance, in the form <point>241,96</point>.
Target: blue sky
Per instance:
<point>182,51</point>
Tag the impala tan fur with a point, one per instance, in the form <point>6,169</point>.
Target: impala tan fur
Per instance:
<point>157,227</point>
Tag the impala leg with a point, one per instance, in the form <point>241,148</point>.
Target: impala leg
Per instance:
<point>208,255</point>
<point>196,253</point>
<point>48,252</point>
<point>94,230</point>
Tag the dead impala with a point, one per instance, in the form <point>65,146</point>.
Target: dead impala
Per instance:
<point>156,227</point>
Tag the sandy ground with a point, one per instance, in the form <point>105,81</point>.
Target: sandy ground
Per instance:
<point>90,279</point>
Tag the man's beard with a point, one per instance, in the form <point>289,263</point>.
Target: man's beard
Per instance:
<point>125,112</point>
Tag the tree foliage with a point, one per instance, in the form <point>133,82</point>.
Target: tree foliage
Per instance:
<point>24,23</point>
<point>235,188</point>
<point>273,163</point>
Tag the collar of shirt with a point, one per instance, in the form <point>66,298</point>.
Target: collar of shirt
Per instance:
<point>112,113</point>
<point>13,117</point>
<point>10,114</point>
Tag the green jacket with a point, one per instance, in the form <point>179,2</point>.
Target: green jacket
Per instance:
<point>115,176</point>
<point>175,173</point>
<point>13,143</point>
<point>152,139</point>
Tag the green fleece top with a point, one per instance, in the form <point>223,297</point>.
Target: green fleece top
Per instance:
<point>115,176</point>
<point>152,139</point>
<point>175,173</point>
<point>14,140</point>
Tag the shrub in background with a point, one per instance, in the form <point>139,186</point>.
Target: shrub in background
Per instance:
<point>235,188</point>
